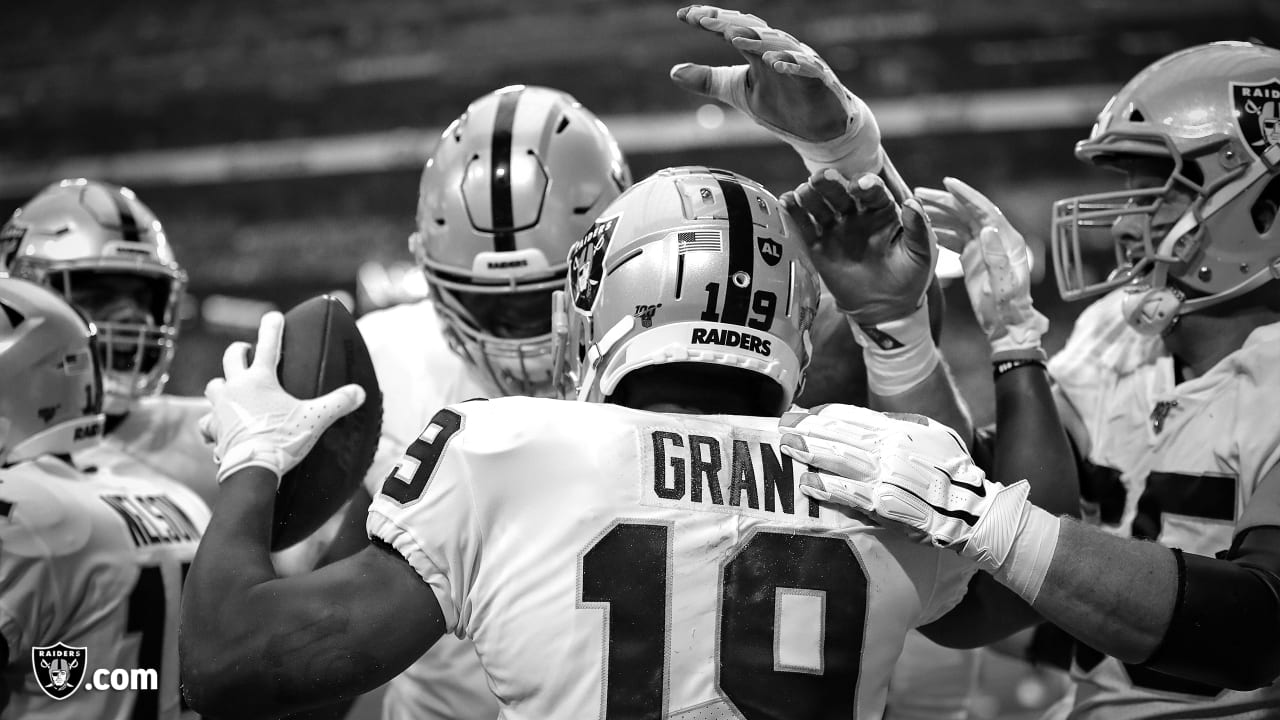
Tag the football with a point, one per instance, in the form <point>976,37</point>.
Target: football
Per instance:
<point>321,351</point>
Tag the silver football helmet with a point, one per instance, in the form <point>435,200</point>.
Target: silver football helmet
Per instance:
<point>1209,112</point>
<point>51,397</point>
<point>106,253</point>
<point>512,184</point>
<point>691,265</point>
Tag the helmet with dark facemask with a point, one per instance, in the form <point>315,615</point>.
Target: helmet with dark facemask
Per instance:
<point>105,252</point>
<point>512,184</point>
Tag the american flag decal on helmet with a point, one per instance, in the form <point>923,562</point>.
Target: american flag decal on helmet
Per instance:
<point>700,240</point>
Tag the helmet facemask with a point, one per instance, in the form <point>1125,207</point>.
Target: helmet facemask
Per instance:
<point>505,335</point>
<point>134,315</point>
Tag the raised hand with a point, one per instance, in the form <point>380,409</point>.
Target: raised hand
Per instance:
<point>875,256</point>
<point>254,421</point>
<point>785,87</point>
<point>997,267</point>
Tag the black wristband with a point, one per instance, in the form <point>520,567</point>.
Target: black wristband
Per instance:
<point>1000,368</point>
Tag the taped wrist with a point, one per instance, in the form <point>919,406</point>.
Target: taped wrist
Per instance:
<point>852,153</point>
<point>899,354</point>
<point>1025,567</point>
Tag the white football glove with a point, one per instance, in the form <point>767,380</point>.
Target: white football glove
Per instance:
<point>254,421</point>
<point>786,88</point>
<point>997,268</point>
<point>909,470</point>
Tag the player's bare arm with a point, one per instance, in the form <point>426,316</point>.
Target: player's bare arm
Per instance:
<point>997,278</point>
<point>1210,620</point>
<point>253,644</point>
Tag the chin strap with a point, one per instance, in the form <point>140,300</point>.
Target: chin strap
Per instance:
<point>1154,310</point>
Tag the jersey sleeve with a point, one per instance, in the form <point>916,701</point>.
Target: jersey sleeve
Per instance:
<point>425,510</point>
<point>30,600</point>
<point>1101,347</point>
<point>949,587</point>
<point>1258,444</point>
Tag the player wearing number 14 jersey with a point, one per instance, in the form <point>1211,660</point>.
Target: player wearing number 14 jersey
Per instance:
<point>646,554</point>
<point>89,559</point>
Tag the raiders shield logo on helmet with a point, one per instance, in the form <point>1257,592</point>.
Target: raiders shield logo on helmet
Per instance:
<point>1258,112</point>
<point>59,669</point>
<point>586,262</point>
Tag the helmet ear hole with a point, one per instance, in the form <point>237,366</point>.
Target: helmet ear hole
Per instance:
<point>1266,207</point>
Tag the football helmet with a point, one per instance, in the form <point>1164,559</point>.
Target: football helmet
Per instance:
<point>1210,112</point>
<point>51,398</point>
<point>106,252</point>
<point>690,265</point>
<point>513,182</point>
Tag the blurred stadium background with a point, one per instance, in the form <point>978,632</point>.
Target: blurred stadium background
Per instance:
<point>280,141</point>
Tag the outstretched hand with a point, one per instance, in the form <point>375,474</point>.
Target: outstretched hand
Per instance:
<point>875,256</point>
<point>997,267</point>
<point>785,87</point>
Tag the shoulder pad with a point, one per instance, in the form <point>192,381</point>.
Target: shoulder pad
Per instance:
<point>38,522</point>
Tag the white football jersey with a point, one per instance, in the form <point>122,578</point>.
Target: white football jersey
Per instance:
<point>419,374</point>
<point>160,437</point>
<point>94,560</point>
<point>1182,461</point>
<point>608,561</point>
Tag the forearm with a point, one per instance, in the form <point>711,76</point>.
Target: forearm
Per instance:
<point>1032,443</point>
<point>935,396</point>
<point>252,644</point>
<point>1209,620</point>
<point>1114,594</point>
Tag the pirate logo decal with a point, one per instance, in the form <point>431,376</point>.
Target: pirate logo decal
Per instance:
<point>586,262</point>
<point>1258,113</point>
<point>59,669</point>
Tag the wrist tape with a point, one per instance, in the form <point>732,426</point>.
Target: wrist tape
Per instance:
<point>899,354</point>
<point>1027,564</point>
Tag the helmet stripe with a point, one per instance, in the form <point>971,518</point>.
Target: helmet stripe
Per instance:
<point>504,240</point>
<point>128,224</point>
<point>737,299</point>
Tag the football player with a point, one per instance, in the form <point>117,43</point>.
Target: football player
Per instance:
<point>787,88</point>
<point>645,553</point>
<point>1163,383</point>
<point>102,249</point>
<point>90,559</point>
<point>512,183</point>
